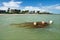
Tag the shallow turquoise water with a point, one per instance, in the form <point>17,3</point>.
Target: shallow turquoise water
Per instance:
<point>8,32</point>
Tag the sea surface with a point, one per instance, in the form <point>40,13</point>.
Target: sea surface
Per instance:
<point>11,32</point>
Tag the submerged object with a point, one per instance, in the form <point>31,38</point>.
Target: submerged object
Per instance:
<point>41,24</point>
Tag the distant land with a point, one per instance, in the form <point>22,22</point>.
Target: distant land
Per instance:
<point>16,11</point>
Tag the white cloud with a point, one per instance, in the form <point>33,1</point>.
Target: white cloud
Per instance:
<point>11,4</point>
<point>43,8</point>
<point>58,7</point>
<point>31,8</point>
<point>3,8</point>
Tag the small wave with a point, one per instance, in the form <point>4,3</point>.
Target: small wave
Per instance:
<point>53,30</point>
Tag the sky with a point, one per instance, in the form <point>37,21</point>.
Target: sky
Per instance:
<point>52,6</point>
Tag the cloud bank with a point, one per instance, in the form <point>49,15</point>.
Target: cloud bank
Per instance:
<point>11,4</point>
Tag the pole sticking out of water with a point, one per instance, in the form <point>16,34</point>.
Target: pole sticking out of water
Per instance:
<point>43,22</point>
<point>34,23</point>
<point>50,22</point>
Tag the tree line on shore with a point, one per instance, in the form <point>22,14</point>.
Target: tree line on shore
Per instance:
<point>17,11</point>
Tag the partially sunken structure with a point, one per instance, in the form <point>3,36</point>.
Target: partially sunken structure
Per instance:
<point>41,24</point>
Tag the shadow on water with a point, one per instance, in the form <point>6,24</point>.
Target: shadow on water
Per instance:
<point>21,25</point>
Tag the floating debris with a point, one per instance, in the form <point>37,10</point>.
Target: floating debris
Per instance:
<point>33,24</point>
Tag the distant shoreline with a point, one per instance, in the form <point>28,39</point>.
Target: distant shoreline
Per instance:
<point>29,14</point>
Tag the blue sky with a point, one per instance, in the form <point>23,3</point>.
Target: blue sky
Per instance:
<point>52,6</point>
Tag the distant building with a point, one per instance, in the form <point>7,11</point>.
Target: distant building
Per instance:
<point>38,12</point>
<point>32,12</point>
<point>15,11</point>
<point>8,10</point>
<point>2,11</point>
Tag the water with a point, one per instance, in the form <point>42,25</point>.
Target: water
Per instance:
<point>8,32</point>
